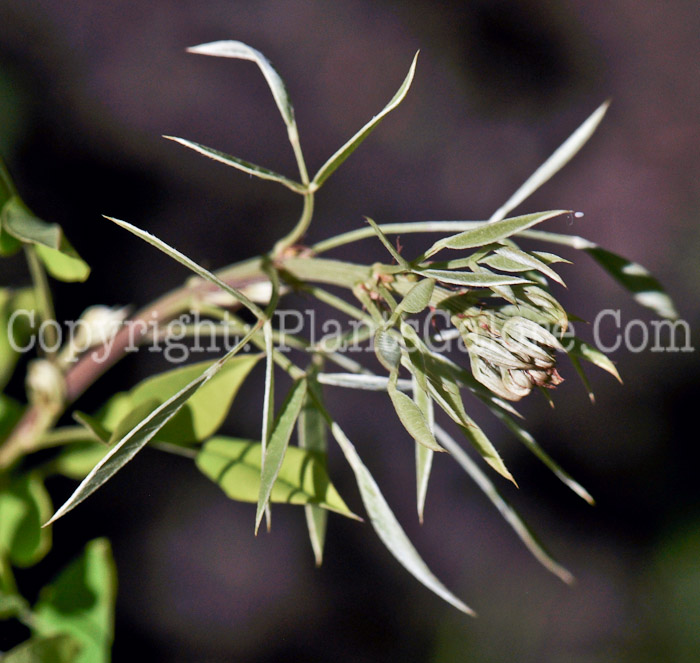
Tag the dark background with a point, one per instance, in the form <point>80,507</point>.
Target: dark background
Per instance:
<point>86,90</point>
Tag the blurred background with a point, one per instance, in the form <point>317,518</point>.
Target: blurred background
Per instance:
<point>86,91</point>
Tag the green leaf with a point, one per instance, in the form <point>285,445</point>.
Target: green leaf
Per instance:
<point>508,513</point>
<point>471,279</point>
<point>138,437</point>
<point>529,441</point>
<point>510,259</point>
<point>190,264</point>
<point>582,350</point>
<point>59,257</point>
<point>62,266</point>
<point>561,156</point>
<point>240,164</point>
<point>14,302</point>
<point>488,233</point>
<point>206,411</point>
<point>234,465</point>
<point>418,297</point>
<point>312,436</point>
<point>637,279</point>
<point>11,604</point>
<point>10,414</point>
<point>388,528</point>
<point>80,603</point>
<point>268,409</point>
<point>92,424</point>
<point>446,394</point>
<point>387,244</point>
<point>387,349</point>
<point>200,417</point>
<point>241,51</point>
<point>77,459</point>
<point>411,416</point>
<point>7,186</point>
<point>55,649</point>
<point>424,456</point>
<point>24,506</point>
<point>277,446</point>
<point>346,150</point>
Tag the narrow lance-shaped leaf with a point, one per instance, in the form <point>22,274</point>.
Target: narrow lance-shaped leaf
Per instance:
<point>488,233</point>
<point>201,416</point>
<point>124,450</point>
<point>241,51</point>
<point>517,260</point>
<point>311,433</point>
<point>510,515</point>
<point>240,164</point>
<point>234,465</point>
<point>446,394</point>
<point>187,262</point>
<point>644,287</point>
<point>277,446</point>
<point>561,156</point>
<point>346,150</point>
<point>360,381</point>
<point>411,416</point>
<point>536,449</point>
<point>268,412</point>
<point>388,528</point>
<point>387,244</point>
<point>472,279</point>
<point>576,348</point>
<point>424,456</point>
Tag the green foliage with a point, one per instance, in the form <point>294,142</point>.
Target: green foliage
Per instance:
<point>497,296</point>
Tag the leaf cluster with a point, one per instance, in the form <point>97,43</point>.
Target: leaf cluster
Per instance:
<point>500,301</point>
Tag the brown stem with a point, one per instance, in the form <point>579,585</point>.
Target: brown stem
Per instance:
<point>37,419</point>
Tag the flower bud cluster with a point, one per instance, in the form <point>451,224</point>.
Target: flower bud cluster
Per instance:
<point>509,354</point>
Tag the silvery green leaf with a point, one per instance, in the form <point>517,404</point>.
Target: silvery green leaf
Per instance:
<point>637,279</point>
<point>646,290</point>
<point>424,456</point>
<point>488,233</point>
<point>138,437</point>
<point>387,244</point>
<point>277,445</point>
<point>446,394</point>
<point>554,163</point>
<point>387,349</point>
<point>471,279</point>
<point>240,164</point>
<point>360,381</point>
<point>346,150</point>
<point>512,259</point>
<point>585,351</point>
<point>311,432</point>
<point>411,416</point>
<point>241,51</point>
<point>191,264</point>
<point>505,509</point>
<point>388,528</point>
<point>418,297</point>
<point>529,441</point>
